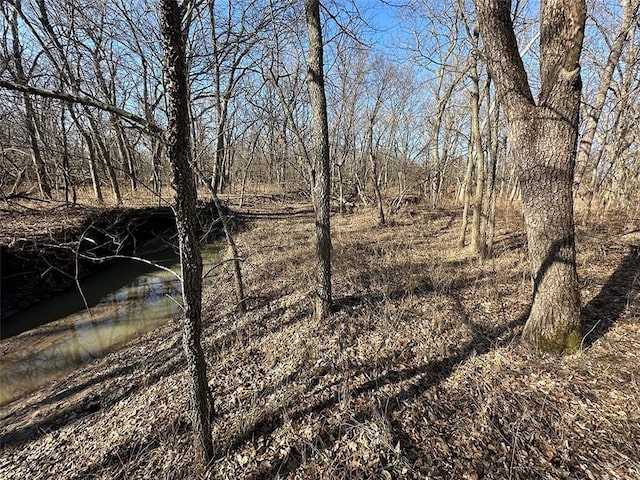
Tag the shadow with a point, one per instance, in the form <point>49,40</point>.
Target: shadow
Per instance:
<point>287,213</point>
<point>509,242</point>
<point>402,285</point>
<point>418,380</point>
<point>367,398</point>
<point>622,287</point>
<point>268,324</point>
<point>169,363</point>
<point>559,252</point>
<point>121,456</point>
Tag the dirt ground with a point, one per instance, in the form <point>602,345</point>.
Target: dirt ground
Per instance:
<point>418,374</point>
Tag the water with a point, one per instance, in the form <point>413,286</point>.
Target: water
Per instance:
<point>126,300</point>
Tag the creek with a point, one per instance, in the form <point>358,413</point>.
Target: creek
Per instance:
<point>126,299</point>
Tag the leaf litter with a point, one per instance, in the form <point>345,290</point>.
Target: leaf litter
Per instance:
<point>418,373</point>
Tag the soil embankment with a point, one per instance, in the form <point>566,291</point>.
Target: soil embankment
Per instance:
<point>44,251</point>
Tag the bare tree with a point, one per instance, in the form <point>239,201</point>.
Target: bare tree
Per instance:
<point>180,157</point>
<point>605,149</point>
<point>543,138</point>
<point>477,241</point>
<point>315,85</point>
<point>231,43</point>
<point>29,112</point>
<point>629,14</point>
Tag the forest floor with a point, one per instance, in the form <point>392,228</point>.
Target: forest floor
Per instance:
<point>418,373</point>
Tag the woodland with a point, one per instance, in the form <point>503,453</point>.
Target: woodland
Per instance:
<point>428,217</point>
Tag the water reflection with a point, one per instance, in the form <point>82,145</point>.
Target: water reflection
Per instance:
<point>117,318</point>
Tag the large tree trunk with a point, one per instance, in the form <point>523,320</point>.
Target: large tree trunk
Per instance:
<point>315,85</point>
<point>179,151</point>
<point>545,154</point>
<point>543,140</point>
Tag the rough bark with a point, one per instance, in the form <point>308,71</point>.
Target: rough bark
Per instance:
<point>179,152</point>
<point>543,137</point>
<point>315,86</point>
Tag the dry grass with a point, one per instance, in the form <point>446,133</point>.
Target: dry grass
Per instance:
<point>417,375</point>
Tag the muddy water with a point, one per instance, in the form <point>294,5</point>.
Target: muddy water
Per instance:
<point>125,300</point>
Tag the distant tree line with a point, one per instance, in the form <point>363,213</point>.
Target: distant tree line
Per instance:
<point>401,121</point>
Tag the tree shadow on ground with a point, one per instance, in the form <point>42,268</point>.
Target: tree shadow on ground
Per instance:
<point>620,290</point>
<point>509,242</point>
<point>170,362</point>
<point>397,285</point>
<point>286,213</point>
<point>414,381</point>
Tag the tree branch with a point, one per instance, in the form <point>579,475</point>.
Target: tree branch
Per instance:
<point>83,100</point>
<point>501,51</point>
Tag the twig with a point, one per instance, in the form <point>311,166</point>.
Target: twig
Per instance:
<point>76,277</point>
<point>233,259</point>
<point>588,333</point>
<point>137,259</point>
<point>104,258</point>
<point>514,443</point>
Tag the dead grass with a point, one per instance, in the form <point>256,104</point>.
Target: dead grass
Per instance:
<point>417,375</point>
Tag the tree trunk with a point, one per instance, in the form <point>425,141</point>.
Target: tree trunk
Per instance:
<point>29,113</point>
<point>93,167</point>
<point>106,159</point>
<point>66,169</point>
<point>543,139</point>
<point>322,191</point>
<point>477,242</point>
<point>179,152</point>
<point>217,180</point>
<point>340,186</point>
<point>376,188</point>
<point>546,147</point>
<point>494,142</point>
<point>156,161</point>
<point>375,175</point>
<point>237,271</point>
<point>466,197</point>
<point>123,150</point>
